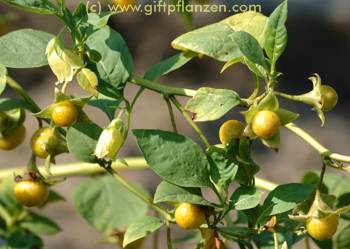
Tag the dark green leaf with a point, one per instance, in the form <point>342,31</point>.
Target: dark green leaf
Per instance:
<point>116,64</point>
<point>276,32</point>
<point>10,104</point>
<point>285,197</point>
<point>107,104</point>
<point>211,104</point>
<point>245,198</point>
<point>24,48</point>
<point>7,196</point>
<point>174,157</point>
<point>141,228</point>
<point>22,239</point>
<point>107,205</point>
<point>166,66</point>
<point>250,48</point>
<point>82,139</point>
<point>37,6</point>
<point>167,192</point>
<point>40,225</point>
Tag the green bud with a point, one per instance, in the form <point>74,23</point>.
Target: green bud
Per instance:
<point>64,62</point>
<point>111,140</point>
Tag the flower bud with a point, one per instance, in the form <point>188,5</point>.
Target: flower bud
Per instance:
<point>63,61</point>
<point>111,140</point>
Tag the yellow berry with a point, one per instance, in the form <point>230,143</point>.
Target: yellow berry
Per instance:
<point>31,193</point>
<point>266,124</point>
<point>189,216</point>
<point>14,139</point>
<point>322,228</point>
<point>64,114</point>
<point>231,129</point>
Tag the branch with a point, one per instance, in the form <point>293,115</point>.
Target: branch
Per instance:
<point>88,169</point>
<point>317,146</point>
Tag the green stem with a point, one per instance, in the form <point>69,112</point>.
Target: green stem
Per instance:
<point>190,121</point>
<point>323,171</point>
<point>168,236</point>
<point>19,89</point>
<point>137,95</point>
<point>160,88</point>
<point>316,145</point>
<point>275,239</point>
<point>171,113</point>
<point>89,169</point>
<point>307,242</point>
<point>139,194</point>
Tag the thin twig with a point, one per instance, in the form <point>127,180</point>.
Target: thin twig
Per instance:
<point>171,113</point>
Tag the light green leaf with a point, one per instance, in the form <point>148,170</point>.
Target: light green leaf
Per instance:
<point>342,240</point>
<point>107,205</point>
<point>211,104</point>
<point>174,157</point>
<point>88,81</point>
<point>116,63</point>
<point>166,66</point>
<point>3,78</point>
<point>286,116</point>
<point>37,6</point>
<point>276,32</point>
<point>24,48</point>
<point>141,228</point>
<point>245,198</point>
<point>99,21</point>
<point>167,192</point>
<point>216,40</point>
<point>40,225</point>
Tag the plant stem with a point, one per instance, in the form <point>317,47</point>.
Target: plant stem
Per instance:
<point>137,95</point>
<point>19,89</point>
<point>275,239</point>
<point>316,145</point>
<point>139,194</point>
<point>164,89</point>
<point>168,236</point>
<point>89,169</point>
<point>171,113</point>
<point>323,171</point>
<point>307,242</point>
<point>190,121</point>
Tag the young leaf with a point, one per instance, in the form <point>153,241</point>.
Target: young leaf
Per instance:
<point>250,48</point>
<point>286,116</point>
<point>141,228</point>
<point>87,80</point>
<point>211,104</point>
<point>285,197</point>
<point>166,66</point>
<point>24,48</point>
<point>167,192</point>
<point>107,205</point>
<point>82,139</point>
<point>37,6</point>
<point>245,198</point>
<point>276,32</point>
<point>174,157</point>
<point>99,20</point>
<point>116,62</point>
<point>40,225</point>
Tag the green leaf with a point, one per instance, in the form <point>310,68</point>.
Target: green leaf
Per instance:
<point>116,64</point>
<point>7,196</point>
<point>167,192</point>
<point>99,20</point>
<point>223,166</point>
<point>10,104</point>
<point>216,40</point>
<point>40,225</point>
<point>24,48</point>
<point>141,228</point>
<point>285,197</point>
<point>211,104</point>
<point>276,32</point>
<point>174,157</point>
<point>273,142</point>
<point>342,240</point>
<point>82,139</point>
<point>166,66</point>
<point>107,104</point>
<point>107,205</point>
<point>245,198</point>
<point>22,239</point>
<point>36,6</point>
<point>53,198</point>
<point>3,78</point>
<point>250,48</point>
<point>265,240</point>
<point>286,116</point>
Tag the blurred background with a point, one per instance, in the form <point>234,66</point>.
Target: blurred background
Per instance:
<point>319,42</point>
